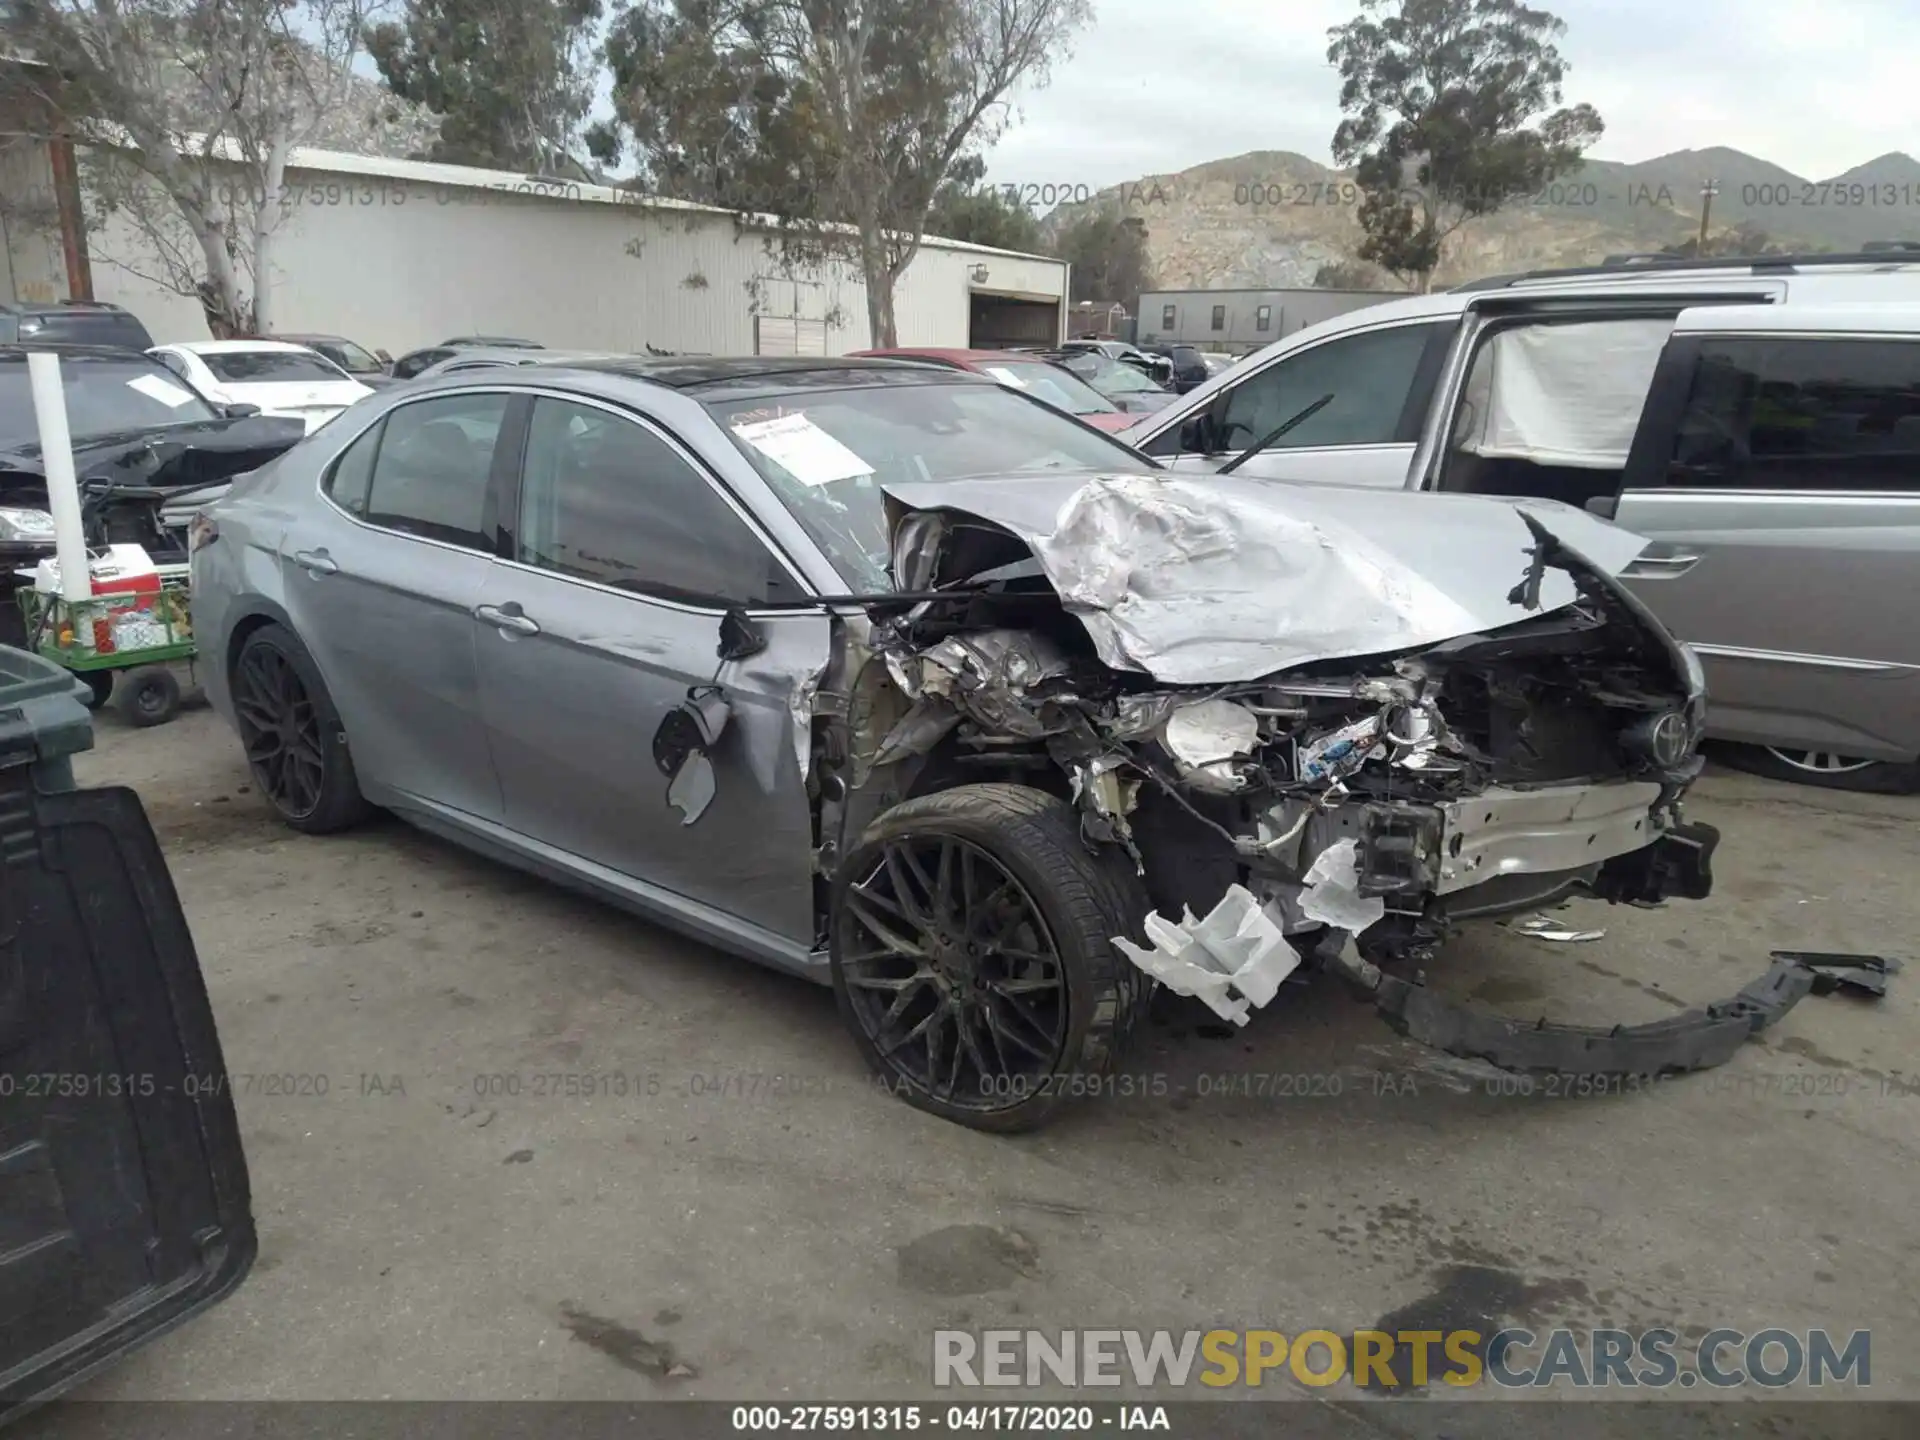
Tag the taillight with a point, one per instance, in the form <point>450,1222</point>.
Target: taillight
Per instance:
<point>201,532</point>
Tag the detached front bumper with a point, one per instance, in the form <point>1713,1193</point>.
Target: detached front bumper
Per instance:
<point>1696,1040</point>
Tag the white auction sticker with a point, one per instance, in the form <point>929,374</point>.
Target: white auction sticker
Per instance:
<point>154,388</point>
<point>803,450</point>
<point>1006,376</point>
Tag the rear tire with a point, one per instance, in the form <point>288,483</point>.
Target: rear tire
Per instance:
<point>149,696</point>
<point>1825,769</point>
<point>996,991</point>
<point>295,743</point>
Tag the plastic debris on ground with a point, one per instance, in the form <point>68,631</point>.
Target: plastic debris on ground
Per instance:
<point>1232,961</point>
<point>1544,927</point>
<point>1330,891</point>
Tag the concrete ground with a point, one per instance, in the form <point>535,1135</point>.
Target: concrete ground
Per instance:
<point>752,1219</point>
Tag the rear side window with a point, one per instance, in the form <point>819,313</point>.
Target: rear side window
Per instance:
<point>431,471</point>
<point>351,478</point>
<point>1801,414</point>
<point>411,365</point>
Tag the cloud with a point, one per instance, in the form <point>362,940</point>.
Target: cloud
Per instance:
<point>1153,88</point>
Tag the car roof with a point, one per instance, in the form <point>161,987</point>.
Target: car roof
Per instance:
<point>956,355</point>
<point>734,377</point>
<point>504,342</point>
<point>304,339</point>
<point>236,347</point>
<point>55,307</point>
<point>20,349</point>
<point>1891,318</point>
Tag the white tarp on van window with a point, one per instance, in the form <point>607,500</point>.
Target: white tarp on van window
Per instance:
<point>1561,394</point>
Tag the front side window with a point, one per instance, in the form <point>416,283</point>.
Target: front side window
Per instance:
<point>1802,414</point>
<point>432,468</point>
<point>1370,376</point>
<point>606,499</point>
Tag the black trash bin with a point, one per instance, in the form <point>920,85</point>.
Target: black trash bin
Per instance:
<point>124,1202</point>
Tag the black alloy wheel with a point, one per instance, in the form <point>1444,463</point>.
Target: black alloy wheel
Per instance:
<point>973,956</point>
<point>953,973</point>
<point>295,743</point>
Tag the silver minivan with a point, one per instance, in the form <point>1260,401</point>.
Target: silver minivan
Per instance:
<point>1759,423</point>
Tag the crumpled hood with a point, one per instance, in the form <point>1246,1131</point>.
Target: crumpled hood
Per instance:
<point>1204,579</point>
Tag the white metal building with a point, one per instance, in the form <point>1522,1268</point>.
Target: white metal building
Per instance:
<point>399,254</point>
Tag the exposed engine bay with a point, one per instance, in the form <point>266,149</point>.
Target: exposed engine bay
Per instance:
<point>1384,795</point>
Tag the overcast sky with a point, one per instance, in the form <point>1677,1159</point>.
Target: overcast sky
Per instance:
<point>1155,87</point>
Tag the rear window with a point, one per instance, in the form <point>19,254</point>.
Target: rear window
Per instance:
<point>268,367</point>
<point>85,327</point>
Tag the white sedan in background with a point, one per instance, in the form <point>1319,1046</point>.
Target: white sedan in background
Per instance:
<point>281,378</point>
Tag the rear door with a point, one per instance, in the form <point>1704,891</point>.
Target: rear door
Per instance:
<point>1778,475</point>
<point>602,614</point>
<point>124,1205</point>
<point>381,583</point>
<point>1382,380</point>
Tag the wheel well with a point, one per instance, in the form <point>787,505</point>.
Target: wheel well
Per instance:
<point>950,765</point>
<point>239,638</point>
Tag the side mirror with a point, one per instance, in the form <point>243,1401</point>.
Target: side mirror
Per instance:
<point>239,412</point>
<point>740,638</point>
<point>683,750</point>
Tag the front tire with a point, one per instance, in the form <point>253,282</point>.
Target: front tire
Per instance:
<point>973,956</point>
<point>295,743</point>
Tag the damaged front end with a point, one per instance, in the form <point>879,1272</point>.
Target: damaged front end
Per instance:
<point>1111,642</point>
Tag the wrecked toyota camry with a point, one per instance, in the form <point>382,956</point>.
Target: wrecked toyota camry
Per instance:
<point>1007,726</point>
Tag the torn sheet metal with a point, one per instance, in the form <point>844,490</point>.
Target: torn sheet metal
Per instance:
<point>1695,1040</point>
<point>988,673</point>
<point>1232,961</point>
<point>1330,890</point>
<point>1206,579</point>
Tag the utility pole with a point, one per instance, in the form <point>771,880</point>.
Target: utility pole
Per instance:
<point>1707,192</point>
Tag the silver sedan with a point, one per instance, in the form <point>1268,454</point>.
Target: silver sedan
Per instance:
<point>897,677</point>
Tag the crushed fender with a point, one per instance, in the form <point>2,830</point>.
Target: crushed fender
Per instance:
<point>1231,961</point>
<point>1697,1040</point>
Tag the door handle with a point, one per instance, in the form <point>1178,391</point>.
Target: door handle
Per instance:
<point>316,562</point>
<point>1661,567</point>
<point>509,620</point>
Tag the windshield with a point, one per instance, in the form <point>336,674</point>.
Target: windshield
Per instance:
<point>827,454</point>
<point>1114,377</point>
<point>268,367</point>
<point>1050,383</point>
<point>105,395</point>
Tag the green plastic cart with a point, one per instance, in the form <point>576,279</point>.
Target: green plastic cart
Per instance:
<point>125,645</point>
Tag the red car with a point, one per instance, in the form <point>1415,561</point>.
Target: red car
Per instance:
<point>1042,379</point>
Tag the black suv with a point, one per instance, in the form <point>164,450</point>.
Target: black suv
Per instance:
<point>72,322</point>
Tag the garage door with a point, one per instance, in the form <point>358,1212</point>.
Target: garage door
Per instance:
<point>784,335</point>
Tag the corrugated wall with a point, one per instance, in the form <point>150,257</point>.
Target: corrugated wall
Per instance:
<point>402,263</point>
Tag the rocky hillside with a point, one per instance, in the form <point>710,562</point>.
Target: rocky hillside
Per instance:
<point>1273,218</point>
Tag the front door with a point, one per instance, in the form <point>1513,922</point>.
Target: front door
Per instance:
<point>625,556</point>
<point>124,1204</point>
<point>381,586</point>
<point>1778,477</point>
<point>1381,380</point>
